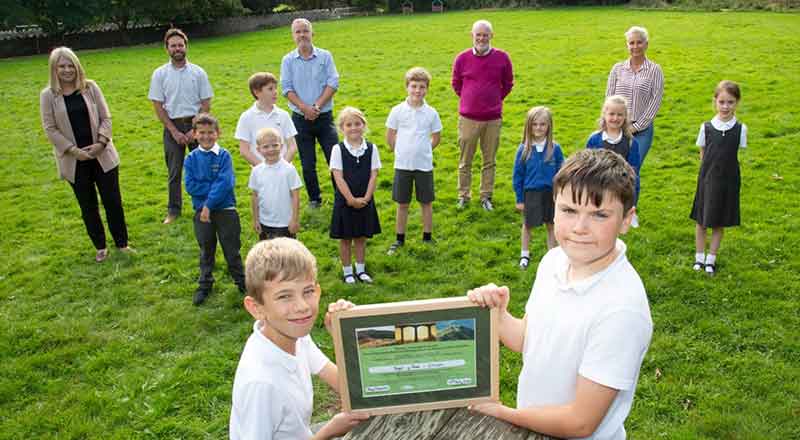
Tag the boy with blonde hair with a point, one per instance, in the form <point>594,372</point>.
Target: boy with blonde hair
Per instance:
<point>413,130</point>
<point>272,390</point>
<point>275,201</point>
<point>587,324</point>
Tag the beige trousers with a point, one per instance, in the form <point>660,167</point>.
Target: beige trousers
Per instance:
<point>469,132</point>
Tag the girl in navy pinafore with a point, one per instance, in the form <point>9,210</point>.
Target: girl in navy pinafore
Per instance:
<point>716,200</point>
<point>354,165</point>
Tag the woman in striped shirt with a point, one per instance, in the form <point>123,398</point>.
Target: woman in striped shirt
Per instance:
<point>641,82</point>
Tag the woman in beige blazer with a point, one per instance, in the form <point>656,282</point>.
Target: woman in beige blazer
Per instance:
<point>77,122</point>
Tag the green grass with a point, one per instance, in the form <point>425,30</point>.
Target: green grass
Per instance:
<point>117,351</point>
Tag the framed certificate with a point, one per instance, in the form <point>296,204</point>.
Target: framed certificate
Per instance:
<point>416,355</point>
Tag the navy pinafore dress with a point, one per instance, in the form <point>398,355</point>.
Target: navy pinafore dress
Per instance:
<point>716,200</point>
<point>348,222</point>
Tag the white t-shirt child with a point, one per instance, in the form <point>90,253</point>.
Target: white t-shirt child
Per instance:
<point>272,389</point>
<point>254,119</point>
<point>412,151</point>
<point>598,328</point>
<point>274,184</point>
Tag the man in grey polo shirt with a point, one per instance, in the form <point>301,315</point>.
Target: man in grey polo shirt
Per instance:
<point>179,91</point>
<point>309,80</point>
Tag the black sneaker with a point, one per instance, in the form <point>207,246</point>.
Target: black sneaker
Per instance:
<point>487,205</point>
<point>394,247</point>
<point>200,295</point>
<point>462,203</point>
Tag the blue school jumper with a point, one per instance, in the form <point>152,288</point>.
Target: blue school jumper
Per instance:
<point>536,173</point>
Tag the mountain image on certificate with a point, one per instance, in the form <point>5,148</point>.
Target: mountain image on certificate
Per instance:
<point>416,358</point>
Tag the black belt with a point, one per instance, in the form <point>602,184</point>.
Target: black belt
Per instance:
<point>184,120</point>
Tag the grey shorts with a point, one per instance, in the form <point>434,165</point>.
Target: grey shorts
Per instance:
<point>539,208</point>
<point>405,180</point>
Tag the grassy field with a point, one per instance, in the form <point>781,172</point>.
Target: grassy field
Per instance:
<point>117,351</point>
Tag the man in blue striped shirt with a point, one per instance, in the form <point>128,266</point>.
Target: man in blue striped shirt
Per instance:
<point>309,80</point>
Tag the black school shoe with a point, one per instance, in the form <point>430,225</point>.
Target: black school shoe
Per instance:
<point>364,277</point>
<point>711,269</point>
<point>200,295</point>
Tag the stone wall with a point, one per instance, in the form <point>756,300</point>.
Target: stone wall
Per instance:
<point>31,43</point>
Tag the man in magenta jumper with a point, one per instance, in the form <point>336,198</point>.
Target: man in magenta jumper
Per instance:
<point>482,77</point>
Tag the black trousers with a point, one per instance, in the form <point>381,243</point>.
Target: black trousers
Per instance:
<point>308,133</point>
<point>224,226</point>
<point>173,156</point>
<point>89,180</point>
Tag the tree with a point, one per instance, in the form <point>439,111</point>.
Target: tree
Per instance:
<point>57,17</point>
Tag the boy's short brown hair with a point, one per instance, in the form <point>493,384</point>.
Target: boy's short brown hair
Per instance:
<point>175,32</point>
<point>418,74</point>
<point>205,119</point>
<point>259,80</point>
<point>279,259</point>
<point>591,173</point>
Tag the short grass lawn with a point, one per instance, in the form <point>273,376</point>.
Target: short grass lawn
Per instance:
<point>117,351</point>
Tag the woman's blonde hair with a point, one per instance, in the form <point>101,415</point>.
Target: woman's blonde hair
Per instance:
<point>80,76</point>
<point>350,112</point>
<point>535,113</point>
<point>627,128</point>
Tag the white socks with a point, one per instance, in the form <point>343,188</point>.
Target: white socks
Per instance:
<point>348,270</point>
<point>711,259</point>
<point>525,253</point>
<point>699,257</point>
<point>360,267</point>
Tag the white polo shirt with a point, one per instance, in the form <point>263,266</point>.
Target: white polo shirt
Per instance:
<point>599,328</point>
<point>254,119</point>
<point>412,149</point>
<point>336,155</point>
<point>274,184</point>
<point>180,90</point>
<point>272,391</point>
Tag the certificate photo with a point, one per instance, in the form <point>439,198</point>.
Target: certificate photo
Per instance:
<point>416,355</point>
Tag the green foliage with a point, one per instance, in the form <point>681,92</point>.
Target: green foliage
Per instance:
<point>191,11</point>
<point>260,6</point>
<point>117,351</point>
<point>13,13</point>
<point>716,5</point>
<point>57,17</point>
<point>369,5</point>
<point>283,7</point>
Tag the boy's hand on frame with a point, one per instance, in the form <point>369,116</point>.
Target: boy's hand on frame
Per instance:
<point>490,296</point>
<point>491,409</point>
<point>333,308</point>
<point>520,207</point>
<point>294,226</point>
<point>257,226</point>
<point>341,424</point>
